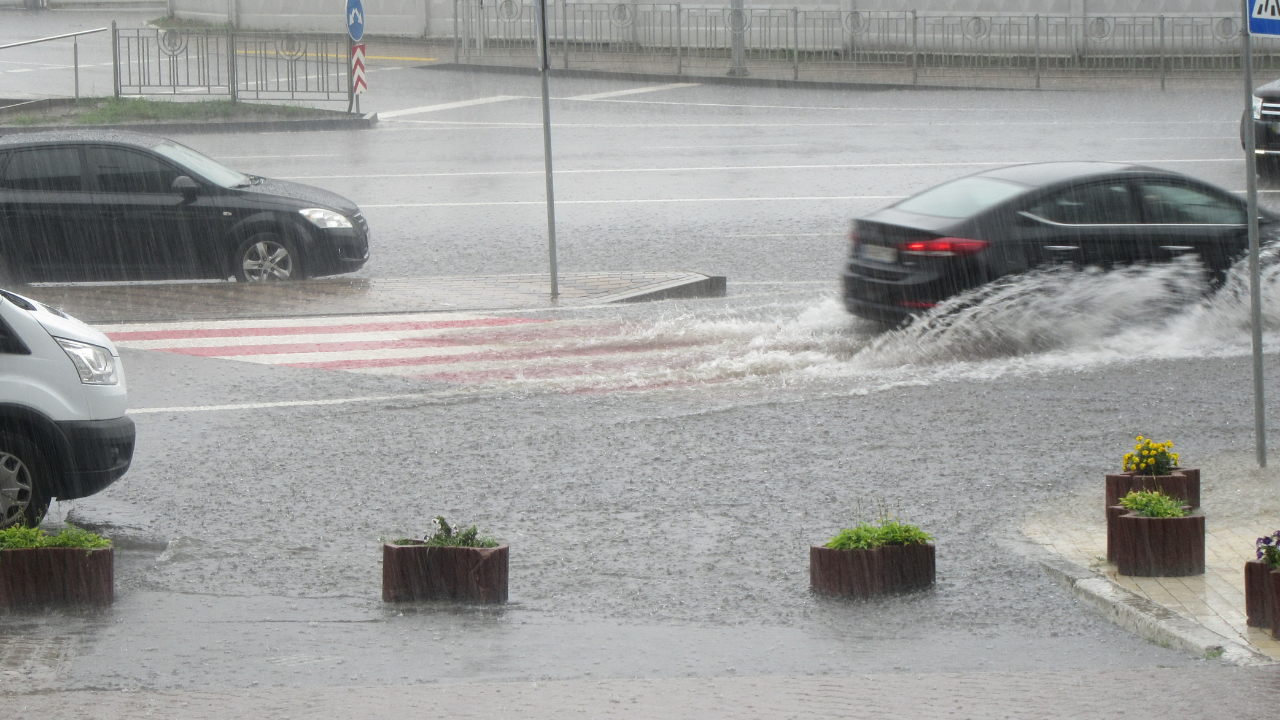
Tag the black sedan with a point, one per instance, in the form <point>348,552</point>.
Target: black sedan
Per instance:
<point>910,256</point>
<point>89,205</point>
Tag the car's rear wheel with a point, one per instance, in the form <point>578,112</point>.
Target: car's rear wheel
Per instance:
<point>266,257</point>
<point>23,478</point>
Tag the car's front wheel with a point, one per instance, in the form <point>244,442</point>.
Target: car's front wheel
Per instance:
<point>23,475</point>
<point>268,256</point>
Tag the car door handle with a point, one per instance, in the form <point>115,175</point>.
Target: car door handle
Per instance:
<point>1061,248</point>
<point>1178,248</point>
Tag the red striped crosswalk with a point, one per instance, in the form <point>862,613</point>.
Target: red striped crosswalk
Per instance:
<point>456,348</point>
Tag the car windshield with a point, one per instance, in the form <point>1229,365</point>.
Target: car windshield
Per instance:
<point>203,165</point>
<point>961,198</point>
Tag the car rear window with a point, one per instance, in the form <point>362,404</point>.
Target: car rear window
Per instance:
<point>962,198</point>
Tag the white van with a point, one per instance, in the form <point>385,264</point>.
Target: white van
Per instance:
<point>63,429</point>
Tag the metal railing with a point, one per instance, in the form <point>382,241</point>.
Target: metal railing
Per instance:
<point>239,65</point>
<point>75,49</point>
<point>830,44</point>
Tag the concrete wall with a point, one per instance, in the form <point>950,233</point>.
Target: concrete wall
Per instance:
<point>419,18</point>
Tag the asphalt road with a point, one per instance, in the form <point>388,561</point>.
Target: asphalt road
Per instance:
<point>664,532</point>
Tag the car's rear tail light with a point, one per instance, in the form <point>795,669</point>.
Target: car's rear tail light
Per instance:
<point>916,304</point>
<point>943,247</point>
<point>853,243</point>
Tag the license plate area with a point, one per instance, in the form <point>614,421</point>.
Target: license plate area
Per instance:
<point>879,253</point>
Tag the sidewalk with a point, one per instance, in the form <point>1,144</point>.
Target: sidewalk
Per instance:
<point>1240,502</point>
<point>1200,692</point>
<point>158,302</point>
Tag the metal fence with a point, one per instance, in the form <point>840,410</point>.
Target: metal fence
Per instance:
<point>829,44</point>
<point>239,65</point>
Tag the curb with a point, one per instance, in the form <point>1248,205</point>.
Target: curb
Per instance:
<point>1141,616</point>
<point>355,122</point>
<point>704,79</point>
<point>708,286</point>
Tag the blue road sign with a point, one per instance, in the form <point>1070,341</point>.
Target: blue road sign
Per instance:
<point>355,19</point>
<point>1264,17</point>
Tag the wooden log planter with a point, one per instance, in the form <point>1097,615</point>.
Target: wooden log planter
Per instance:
<point>1273,597</point>
<point>39,577</point>
<point>1183,484</point>
<point>1257,594</point>
<point>1159,547</point>
<point>868,573</point>
<point>432,572</point>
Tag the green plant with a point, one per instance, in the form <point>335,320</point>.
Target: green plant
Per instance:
<point>1152,504</point>
<point>1151,458</point>
<point>19,537</point>
<point>445,535</point>
<point>885,531</point>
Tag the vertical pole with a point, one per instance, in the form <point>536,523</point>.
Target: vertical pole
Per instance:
<point>679,43</point>
<point>737,40</point>
<point>115,60</point>
<point>1161,20</point>
<point>1255,290</point>
<point>232,80</point>
<point>544,64</point>
<point>1037,51</point>
<point>795,43</point>
<point>75,60</point>
<point>457,39</point>
<point>915,50</point>
<point>564,26</point>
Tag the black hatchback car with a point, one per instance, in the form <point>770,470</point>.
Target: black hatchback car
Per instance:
<point>908,257</point>
<point>89,205</point>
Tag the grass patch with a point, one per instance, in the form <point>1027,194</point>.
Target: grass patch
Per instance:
<point>121,111</point>
<point>886,531</point>
<point>1153,504</point>
<point>21,538</point>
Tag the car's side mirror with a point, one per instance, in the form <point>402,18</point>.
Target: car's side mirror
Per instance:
<point>186,186</point>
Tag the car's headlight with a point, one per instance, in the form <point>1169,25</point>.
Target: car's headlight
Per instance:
<point>95,364</point>
<point>325,218</point>
<point>1257,108</point>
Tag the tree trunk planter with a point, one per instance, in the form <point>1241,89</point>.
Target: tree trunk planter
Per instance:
<point>36,577</point>
<point>1273,579</point>
<point>1183,484</point>
<point>1257,593</point>
<point>868,573</point>
<point>427,572</point>
<point>1159,547</point>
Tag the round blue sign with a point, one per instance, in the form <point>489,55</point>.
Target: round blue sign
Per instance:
<point>355,19</point>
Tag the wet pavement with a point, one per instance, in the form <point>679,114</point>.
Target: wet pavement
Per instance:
<point>660,510</point>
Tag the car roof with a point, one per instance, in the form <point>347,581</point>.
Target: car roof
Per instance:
<point>62,137</point>
<point>1054,173</point>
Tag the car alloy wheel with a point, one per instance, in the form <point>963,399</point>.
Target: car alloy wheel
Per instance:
<point>267,260</point>
<point>15,489</point>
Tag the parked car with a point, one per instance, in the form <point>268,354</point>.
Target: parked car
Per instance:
<point>63,428</point>
<point>908,257</point>
<point>93,205</point>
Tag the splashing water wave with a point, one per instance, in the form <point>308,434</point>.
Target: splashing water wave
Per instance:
<point>1054,318</point>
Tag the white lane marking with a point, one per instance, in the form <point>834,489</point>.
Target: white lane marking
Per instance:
<point>291,403</point>
<point>446,106</point>
<point>641,202</point>
<point>255,157</point>
<point>632,91</point>
<point>483,124</point>
<point>728,168</point>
